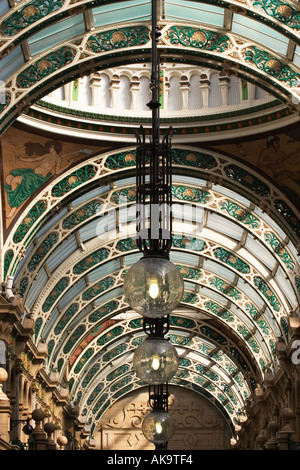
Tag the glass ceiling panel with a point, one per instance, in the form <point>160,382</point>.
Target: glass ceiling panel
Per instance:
<point>232,194</point>
<point>184,258</point>
<point>36,288</point>
<point>239,313</point>
<point>104,269</point>
<point>24,260</point>
<point>251,293</point>
<point>189,180</point>
<point>260,33</point>
<point>286,287</point>
<point>189,286</point>
<point>269,221</point>
<point>72,293</point>
<point>221,224</point>
<point>56,33</point>
<point>108,296</point>
<point>271,320</point>
<point>131,259</point>
<point>11,62</point>
<point>134,10</point>
<point>4,7</point>
<point>98,226</point>
<point>218,269</point>
<point>125,181</point>
<point>62,252</point>
<point>194,11</point>
<point>54,219</point>
<point>297,56</point>
<point>49,324</point>
<point>211,294</point>
<point>90,195</point>
<point>260,252</point>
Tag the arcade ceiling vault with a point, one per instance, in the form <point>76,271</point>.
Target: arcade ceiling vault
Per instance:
<point>68,241</point>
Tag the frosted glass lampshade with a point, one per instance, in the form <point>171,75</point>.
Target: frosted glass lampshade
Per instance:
<point>155,361</point>
<point>158,427</point>
<point>153,287</point>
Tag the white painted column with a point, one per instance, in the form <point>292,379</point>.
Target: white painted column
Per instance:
<point>185,89</point>
<point>95,84</point>
<point>114,88</point>
<point>134,90</point>
<point>205,89</point>
<point>224,82</point>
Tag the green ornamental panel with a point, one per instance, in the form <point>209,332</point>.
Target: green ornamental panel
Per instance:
<point>45,66</point>
<point>28,15</point>
<point>118,38</point>
<point>271,65</point>
<point>198,38</point>
<point>280,11</point>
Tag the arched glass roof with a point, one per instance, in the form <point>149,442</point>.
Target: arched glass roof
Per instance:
<point>240,281</point>
<point>235,234</point>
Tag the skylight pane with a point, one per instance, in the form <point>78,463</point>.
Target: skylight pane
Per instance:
<point>49,324</point>
<point>131,259</point>
<point>240,314</point>
<point>57,33</point>
<point>211,294</point>
<point>251,293</point>
<point>270,221</point>
<point>218,269</point>
<point>194,11</point>
<point>121,12</point>
<point>62,252</point>
<point>189,180</point>
<point>98,227</point>
<point>108,296</point>
<point>297,56</point>
<point>260,252</point>
<point>4,7</point>
<point>51,222</point>
<point>286,287</point>
<point>125,181</point>
<point>72,293</point>
<point>36,288</point>
<point>11,63</point>
<point>184,258</point>
<point>104,269</point>
<point>232,194</point>
<point>221,224</point>
<point>89,195</point>
<point>260,33</point>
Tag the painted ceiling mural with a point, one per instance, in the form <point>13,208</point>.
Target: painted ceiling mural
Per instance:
<point>68,193</point>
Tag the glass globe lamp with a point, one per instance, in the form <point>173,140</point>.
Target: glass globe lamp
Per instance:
<point>158,427</point>
<point>153,287</point>
<point>155,361</point>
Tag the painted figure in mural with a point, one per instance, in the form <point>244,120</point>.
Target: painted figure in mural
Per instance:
<point>23,182</point>
<point>284,168</point>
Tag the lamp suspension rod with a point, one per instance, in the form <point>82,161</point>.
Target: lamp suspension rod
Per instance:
<point>154,104</point>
